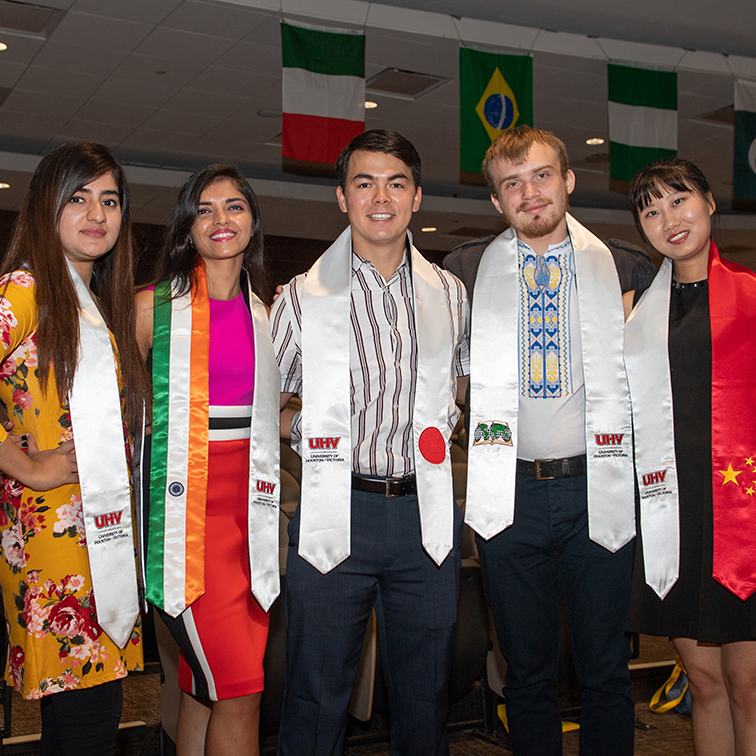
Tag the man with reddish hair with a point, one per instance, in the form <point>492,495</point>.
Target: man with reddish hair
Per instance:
<point>551,495</point>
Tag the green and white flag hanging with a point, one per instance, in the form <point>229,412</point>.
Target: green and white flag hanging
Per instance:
<point>642,118</point>
<point>744,169</point>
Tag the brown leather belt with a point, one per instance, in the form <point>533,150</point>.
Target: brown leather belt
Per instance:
<point>550,469</point>
<point>389,487</point>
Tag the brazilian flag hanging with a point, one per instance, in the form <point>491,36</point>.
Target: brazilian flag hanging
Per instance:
<point>495,94</point>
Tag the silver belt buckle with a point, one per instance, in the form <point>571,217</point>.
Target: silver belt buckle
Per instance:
<point>538,475</point>
<point>389,481</point>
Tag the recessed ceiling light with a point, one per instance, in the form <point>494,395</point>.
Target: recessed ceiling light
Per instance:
<point>369,104</point>
<point>594,141</point>
<point>267,113</point>
<point>4,186</point>
<point>428,229</point>
<point>3,46</point>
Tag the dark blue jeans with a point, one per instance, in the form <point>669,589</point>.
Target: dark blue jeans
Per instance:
<point>527,568</point>
<point>327,615</point>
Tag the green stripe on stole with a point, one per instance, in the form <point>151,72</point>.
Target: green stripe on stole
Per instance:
<point>161,345</point>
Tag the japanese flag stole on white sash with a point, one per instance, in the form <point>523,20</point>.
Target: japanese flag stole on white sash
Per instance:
<point>326,412</point>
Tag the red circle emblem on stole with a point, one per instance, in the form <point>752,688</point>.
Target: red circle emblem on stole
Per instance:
<point>432,446</point>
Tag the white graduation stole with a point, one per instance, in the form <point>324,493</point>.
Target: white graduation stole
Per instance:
<point>647,362</point>
<point>326,411</point>
<point>97,425</point>
<point>264,452</point>
<point>494,390</point>
<point>264,473</point>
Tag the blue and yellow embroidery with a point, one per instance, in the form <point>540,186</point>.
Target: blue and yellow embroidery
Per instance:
<point>545,328</point>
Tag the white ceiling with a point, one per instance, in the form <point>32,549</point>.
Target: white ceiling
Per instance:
<point>176,84</point>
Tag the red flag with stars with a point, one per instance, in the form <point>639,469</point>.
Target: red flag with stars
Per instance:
<point>732,306</point>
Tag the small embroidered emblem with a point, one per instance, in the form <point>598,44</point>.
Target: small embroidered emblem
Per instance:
<point>175,488</point>
<point>492,432</point>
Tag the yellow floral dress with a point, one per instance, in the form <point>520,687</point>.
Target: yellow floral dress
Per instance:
<point>55,643</point>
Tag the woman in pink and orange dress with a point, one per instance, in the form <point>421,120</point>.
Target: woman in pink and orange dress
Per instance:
<point>206,327</point>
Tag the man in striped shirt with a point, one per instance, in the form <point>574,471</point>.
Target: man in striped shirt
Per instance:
<point>407,355</point>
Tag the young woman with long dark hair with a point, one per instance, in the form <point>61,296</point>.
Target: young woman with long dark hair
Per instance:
<point>212,557</point>
<point>70,376</point>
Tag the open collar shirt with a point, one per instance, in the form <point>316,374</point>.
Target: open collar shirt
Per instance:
<point>383,360</point>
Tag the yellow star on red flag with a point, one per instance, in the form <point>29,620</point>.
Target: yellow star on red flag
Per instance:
<point>730,475</point>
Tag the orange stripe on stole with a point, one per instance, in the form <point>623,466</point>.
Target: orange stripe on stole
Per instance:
<point>199,408</point>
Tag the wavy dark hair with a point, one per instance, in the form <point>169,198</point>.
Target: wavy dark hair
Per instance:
<point>179,257</point>
<point>676,173</point>
<point>35,245</point>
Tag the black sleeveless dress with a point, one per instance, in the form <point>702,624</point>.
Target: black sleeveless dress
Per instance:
<point>697,606</point>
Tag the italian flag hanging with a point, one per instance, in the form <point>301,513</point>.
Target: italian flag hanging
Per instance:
<point>323,92</point>
<point>642,118</point>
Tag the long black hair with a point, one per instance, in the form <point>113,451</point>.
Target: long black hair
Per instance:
<point>179,257</point>
<point>36,246</point>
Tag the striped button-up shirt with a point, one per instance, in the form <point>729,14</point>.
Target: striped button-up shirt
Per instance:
<point>383,360</point>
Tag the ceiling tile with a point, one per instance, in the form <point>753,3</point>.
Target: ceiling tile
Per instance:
<point>158,140</point>
<point>133,92</point>
<point>49,107</point>
<point>231,82</point>
<point>212,103</point>
<point>21,49</point>
<point>158,70</point>
<point>114,112</point>
<point>180,45</point>
<point>229,21</point>
<point>145,11</point>
<point>67,57</point>
<point>51,80</point>
<point>268,34</point>
<point>194,124</point>
<point>61,4</point>
<point>10,73</point>
<point>234,139</point>
<point>107,133</point>
<point>98,31</point>
<point>256,58</point>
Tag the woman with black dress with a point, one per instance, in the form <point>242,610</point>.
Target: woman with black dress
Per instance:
<point>691,360</point>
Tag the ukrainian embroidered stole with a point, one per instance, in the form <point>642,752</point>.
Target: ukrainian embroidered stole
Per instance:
<point>326,408</point>
<point>495,390</point>
<point>178,477</point>
<point>98,432</point>
<point>732,313</point>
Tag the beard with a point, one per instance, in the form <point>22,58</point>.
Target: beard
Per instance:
<point>546,222</point>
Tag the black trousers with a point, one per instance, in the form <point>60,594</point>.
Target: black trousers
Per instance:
<point>416,606</point>
<point>82,722</point>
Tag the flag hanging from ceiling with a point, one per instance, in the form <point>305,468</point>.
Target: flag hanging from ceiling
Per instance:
<point>744,169</point>
<point>323,92</point>
<point>495,93</point>
<point>642,118</point>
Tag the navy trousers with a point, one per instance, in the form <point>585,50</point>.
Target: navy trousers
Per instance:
<point>327,615</point>
<point>527,568</point>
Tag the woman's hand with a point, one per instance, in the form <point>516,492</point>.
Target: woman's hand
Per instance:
<point>35,469</point>
<point>53,467</point>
